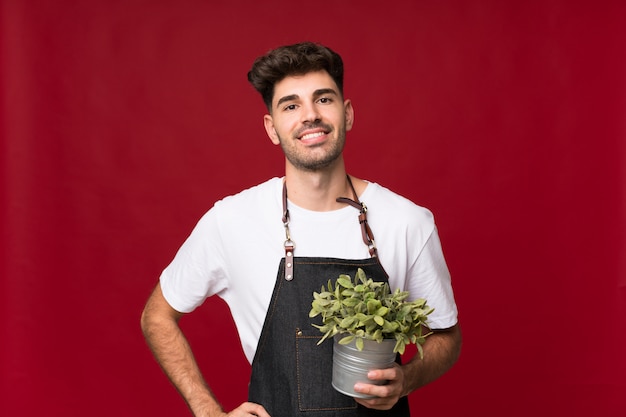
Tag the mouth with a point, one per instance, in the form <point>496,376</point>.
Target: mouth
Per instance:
<point>313,134</point>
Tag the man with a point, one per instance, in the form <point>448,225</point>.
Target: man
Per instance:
<point>238,245</point>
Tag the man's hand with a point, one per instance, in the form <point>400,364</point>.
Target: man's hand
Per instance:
<point>244,410</point>
<point>386,395</point>
<point>248,409</point>
<point>441,351</point>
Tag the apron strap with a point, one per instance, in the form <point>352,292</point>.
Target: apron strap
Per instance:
<point>290,245</point>
<point>366,231</point>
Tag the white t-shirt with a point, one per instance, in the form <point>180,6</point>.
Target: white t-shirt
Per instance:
<point>236,247</point>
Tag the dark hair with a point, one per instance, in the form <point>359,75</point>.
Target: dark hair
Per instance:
<point>297,59</point>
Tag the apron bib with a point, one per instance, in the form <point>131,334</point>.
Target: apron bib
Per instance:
<point>291,374</point>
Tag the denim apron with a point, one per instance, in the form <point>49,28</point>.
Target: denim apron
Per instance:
<point>291,374</point>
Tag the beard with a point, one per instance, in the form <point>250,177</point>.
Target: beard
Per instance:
<point>315,158</point>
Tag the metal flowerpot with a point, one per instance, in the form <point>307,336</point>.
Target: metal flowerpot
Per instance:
<point>351,365</point>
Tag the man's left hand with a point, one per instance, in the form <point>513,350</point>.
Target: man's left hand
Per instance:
<point>386,395</point>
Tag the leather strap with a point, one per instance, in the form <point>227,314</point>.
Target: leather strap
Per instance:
<point>366,231</point>
<point>290,245</point>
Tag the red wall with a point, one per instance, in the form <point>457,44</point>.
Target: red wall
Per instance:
<point>122,122</point>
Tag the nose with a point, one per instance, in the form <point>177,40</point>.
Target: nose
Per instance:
<point>310,113</point>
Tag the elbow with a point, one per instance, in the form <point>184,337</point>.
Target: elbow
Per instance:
<point>143,321</point>
<point>157,314</point>
<point>457,342</point>
<point>146,321</point>
<point>150,314</point>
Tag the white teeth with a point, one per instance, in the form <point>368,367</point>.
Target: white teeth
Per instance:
<point>312,135</point>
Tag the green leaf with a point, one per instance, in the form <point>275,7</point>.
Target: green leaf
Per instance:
<point>347,322</point>
<point>390,327</point>
<point>350,302</point>
<point>347,293</point>
<point>335,306</point>
<point>373,305</point>
<point>346,340</point>
<point>382,311</point>
<point>360,275</point>
<point>378,335</point>
<point>344,281</point>
<point>359,343</point>
<point>420,350</point>
<point>399,347</point>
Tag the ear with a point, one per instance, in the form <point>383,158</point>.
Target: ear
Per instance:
<point>268,122</point>
<point>349,114</point>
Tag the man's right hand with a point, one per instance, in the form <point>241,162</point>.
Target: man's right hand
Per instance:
<point>248,409</point>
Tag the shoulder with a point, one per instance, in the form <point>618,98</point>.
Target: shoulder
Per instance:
<point>253,204</point>
<point>253,198</point>
<point>381,201</point>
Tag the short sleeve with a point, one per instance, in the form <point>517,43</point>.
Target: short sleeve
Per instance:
<point>430,279</point>
<point>197,271</point>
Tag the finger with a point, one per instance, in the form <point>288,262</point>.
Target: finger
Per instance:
<point>380,391</point>
<point>392,390</point>
<point>376,403</point>
<point>388,374</point>
<point>249,408</point>
<point>257,410</point>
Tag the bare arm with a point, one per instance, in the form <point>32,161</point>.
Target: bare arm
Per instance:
<point>159,323</point>
<point>441,351</point>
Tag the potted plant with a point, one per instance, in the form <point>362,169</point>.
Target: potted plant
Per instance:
<point>369,323</point>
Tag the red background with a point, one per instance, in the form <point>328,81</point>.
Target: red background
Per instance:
<point>123,121</point>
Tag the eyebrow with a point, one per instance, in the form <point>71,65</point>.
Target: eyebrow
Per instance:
<point>323,91</point>
<point>287,98</point>
<point>316,93</point>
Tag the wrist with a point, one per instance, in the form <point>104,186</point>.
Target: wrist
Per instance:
<point>206,407</point>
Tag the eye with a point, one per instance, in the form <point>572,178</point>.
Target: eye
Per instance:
<point>289,107</point>
<point>325,100</point>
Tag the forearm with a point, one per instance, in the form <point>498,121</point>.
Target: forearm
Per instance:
<point>441,351</point>
<point>173,353</point>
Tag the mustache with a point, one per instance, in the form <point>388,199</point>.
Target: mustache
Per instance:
<point>313,125</point>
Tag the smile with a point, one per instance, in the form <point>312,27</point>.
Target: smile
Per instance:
<point>310,136</point>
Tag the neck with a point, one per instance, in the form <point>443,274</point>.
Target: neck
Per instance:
<point>318,191</point>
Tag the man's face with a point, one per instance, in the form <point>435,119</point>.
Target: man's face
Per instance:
<point>309,119</point>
